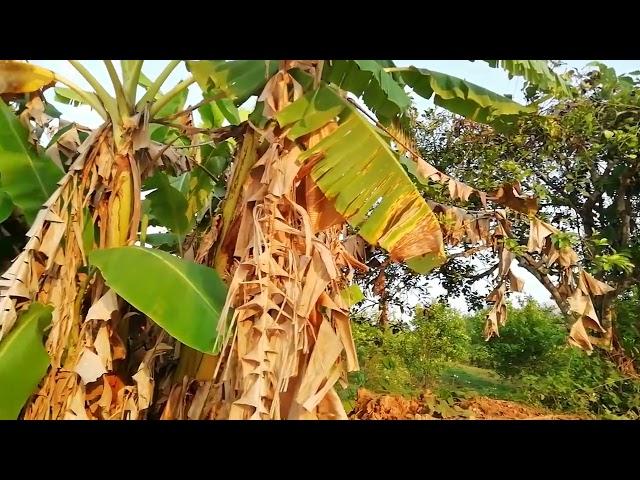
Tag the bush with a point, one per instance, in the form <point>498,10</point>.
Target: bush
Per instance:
<point>408,358</point>
<point>584,384</point>
<point>440,335</point>
<point>627,323</point>
<point>532,350</point>
<point>528,340</point>
<point>382,363</point>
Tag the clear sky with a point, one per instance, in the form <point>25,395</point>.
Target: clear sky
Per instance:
<point>477,72</point>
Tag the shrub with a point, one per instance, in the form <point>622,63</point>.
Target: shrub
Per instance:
<point>528,340</point>
<point>407,359</point>
<point>532,350</point>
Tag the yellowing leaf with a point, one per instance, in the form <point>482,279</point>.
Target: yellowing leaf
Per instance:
<point>352,294</point>
<point>356,170</point>
<point>20,77</point>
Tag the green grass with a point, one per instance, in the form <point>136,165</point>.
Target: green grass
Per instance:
<point>480,381</point>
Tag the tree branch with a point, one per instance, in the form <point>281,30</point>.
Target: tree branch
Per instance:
<point>481,275</point>
<point>528,263</point>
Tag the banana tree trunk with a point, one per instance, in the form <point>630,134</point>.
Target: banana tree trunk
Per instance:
<point>288,339</point>
<point>99,366</point>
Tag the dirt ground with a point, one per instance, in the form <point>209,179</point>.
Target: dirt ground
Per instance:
<point>371,406</point>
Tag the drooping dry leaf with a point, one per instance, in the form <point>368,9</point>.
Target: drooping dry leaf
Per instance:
<point>107,394</point>
<point>355,245</point>
<point>8,316</point>
<point>459,190</point>
<point>314,400</point>
<point>427,171</point>
<point>515,282</point>
<point>497,316</point>
<point>77,406</point>
<point>331,407</point>
<point>550,254</point>
<point>567,257</point>
<point>506,258</point>
<point>582,305</point>
<point>343,324</point>
<point>483,225</point>
<point>34,109</point>
<point>103,347</point>
<point>273,95</point>
<point>508,196</point>
<point>282,172</point>
<point>491,325</point>
<point>326,351</point>
<point>578,336</point>
<point>104,307</point>
<point>471,231</point>
<point>199,399</point>
<point>145,386</point>
<point>316,279</point>
<point>89,367</point>
<point>538,232</point>
<point>51,241</point>
<point>322,213</point>
<point>591,285</point>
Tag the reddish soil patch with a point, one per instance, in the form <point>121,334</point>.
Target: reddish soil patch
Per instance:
<point>371,406</point>
<point>492,409</point>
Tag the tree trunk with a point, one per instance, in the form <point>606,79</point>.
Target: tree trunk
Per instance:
<point>380,289</point>
<point>383,320</point>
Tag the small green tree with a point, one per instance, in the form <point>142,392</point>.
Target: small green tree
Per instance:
<point>581,159</point>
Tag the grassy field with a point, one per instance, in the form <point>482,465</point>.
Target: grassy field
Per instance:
<point>480,381</point>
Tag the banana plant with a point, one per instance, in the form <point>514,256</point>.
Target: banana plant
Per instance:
<point>276,205</point>
<point>93,202</point>
<point>311,161</point>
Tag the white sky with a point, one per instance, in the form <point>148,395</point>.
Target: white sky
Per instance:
<point>477,72</point>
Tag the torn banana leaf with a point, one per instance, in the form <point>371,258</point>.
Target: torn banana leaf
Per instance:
<point>536,72</point>
<point>236,79</point>
<point>379,90</point>
<point>361,175</point>
<point>465,98</point>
